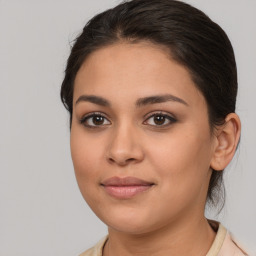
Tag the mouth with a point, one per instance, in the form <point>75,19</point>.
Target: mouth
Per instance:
<point>125,188</point>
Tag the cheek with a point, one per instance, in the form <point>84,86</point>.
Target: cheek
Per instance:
<point>180,150</point>
<point>86,161</point>
<point>85,157</point>
<point>182,163</point>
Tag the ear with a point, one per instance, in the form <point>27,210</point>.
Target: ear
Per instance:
<point>227,138</point>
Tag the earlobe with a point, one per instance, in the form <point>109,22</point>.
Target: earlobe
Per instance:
<point>227,139</point>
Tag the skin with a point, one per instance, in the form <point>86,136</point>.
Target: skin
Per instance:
<point>177,156</point>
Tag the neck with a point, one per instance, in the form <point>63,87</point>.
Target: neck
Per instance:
<point>192,237</point>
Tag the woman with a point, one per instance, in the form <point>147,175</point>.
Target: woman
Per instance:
<point>151,91</point>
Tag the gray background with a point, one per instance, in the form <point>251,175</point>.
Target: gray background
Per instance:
<point>42,211</point>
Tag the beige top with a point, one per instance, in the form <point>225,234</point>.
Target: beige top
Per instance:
<point>223,245</point>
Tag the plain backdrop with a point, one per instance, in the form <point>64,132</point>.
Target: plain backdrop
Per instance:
<point>42,211</point>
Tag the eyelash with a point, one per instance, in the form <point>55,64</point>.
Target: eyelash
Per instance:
<point>170,119</point>
<point>85,119</point>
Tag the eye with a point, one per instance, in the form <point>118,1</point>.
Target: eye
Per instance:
<point>160,119</point>
<point>94,120</point>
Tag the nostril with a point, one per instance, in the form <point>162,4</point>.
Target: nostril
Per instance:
<point>124,153</point>
<point>121,162</point>
<point>130,160</point>
<point>111,160</point>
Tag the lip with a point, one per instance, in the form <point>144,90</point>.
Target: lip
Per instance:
<point>125,188</point>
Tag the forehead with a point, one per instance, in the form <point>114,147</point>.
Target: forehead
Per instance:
<point>136,70</point>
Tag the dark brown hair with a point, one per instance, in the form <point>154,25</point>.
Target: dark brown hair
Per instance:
<point>192,39</point>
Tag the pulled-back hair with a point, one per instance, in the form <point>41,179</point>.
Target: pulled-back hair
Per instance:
<point>191,38</point>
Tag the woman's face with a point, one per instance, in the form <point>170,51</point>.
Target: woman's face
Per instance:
<point>140,138</point>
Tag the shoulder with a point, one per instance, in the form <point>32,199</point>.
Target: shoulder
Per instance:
<point>95,250</point>
<point>224,243</point>
<point>231,247</point>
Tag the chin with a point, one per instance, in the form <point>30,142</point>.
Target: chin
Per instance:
<point>130,228</point>
<point>129,221</point>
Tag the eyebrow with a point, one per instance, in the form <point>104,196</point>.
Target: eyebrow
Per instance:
<point>159,99</point>
<point>94,99</point>
<point>139,103</point>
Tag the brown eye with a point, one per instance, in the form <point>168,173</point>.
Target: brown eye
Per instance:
<point>94,120</point>
<point>98,120</point>
<point>159,119</point>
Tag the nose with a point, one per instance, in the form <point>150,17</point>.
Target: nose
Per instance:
<point>125,146</point>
